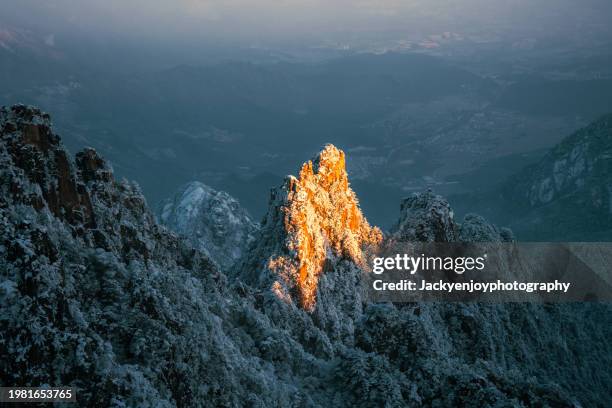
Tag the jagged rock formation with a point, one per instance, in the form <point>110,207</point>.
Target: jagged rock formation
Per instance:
<point>428,217</point>
<point>213,221</point>
<point>313,221</point>
<point>425,217</point>
<point>94,294</point>
<point>31,145</point>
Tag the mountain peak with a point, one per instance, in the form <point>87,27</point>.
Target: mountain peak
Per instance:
<point>213,221</point>
<point>329,167</point>
<point>317,218</point>
<point>425,217</point>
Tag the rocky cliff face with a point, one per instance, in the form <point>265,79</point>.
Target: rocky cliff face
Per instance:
<point>425,217</point>
<point>313,222</point>
<point>213,221</point>
<point>566,196</point>
<point>581,163</point>
<point>428,217</point>
<point>95,294</point>
<point>569,192</point>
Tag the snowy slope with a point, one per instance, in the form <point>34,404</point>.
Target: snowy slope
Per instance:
<point>213,221</point>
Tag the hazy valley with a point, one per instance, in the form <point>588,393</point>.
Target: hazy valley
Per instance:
<point>411,121</point>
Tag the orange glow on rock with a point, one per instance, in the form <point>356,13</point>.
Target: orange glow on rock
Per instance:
<point>321,218</point>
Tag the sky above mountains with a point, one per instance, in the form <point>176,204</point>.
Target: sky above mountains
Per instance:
<point>263,20</point>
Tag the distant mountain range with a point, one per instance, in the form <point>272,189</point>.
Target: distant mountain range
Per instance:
<point>410,121</point>
<point>567,195</point>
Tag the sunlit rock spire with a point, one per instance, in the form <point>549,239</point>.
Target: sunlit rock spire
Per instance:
<point>313,220</point>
